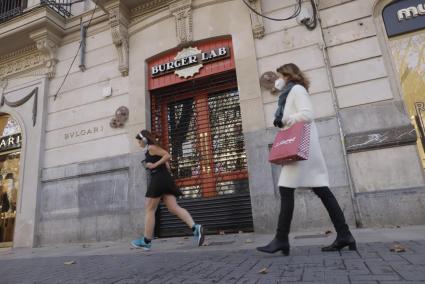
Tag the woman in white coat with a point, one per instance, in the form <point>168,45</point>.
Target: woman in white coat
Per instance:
<point>295,106</point>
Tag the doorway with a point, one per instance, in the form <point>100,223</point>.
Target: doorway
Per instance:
<point>199,123</point>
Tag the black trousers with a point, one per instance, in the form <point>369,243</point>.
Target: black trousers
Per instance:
<point>328,200</point>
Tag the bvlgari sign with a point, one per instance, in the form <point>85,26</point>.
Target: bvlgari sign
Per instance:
<point>189,61</point>
<point>10,142</point>
<point>404,16</point>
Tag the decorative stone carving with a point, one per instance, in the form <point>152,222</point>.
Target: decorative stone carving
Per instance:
<point>20,102</point>
<point>121,116</point>
<point>28,58</point>
<point>47,44</point>
<point>146,7</point>
<point>257,23</point>
<point>18,53</point>
<point>119,28</point>
<point>21,64</point>
<point>267,80</point>
<point>182,11</point>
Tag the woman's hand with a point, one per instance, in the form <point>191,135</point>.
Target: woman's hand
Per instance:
<point>150,166</point>
<point>290,121</point>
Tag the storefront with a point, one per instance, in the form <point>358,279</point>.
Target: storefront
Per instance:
<point>405,29</point>
<point>196,113</point>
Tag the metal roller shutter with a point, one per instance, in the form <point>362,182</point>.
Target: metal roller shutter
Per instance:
<point>199,123</point>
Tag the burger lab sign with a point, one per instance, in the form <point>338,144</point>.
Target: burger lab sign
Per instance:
<point>189,61</point>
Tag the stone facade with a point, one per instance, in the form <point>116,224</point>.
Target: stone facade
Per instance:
<point>90,185</point>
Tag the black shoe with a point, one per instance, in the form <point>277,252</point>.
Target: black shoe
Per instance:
<point>274,246</point>
<point>341,243</point>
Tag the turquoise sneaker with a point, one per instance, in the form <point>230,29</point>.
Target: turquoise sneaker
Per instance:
<point>198,234</point>
<point>140,243</point>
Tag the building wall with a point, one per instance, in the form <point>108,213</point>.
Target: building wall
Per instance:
<point>286,42</point>
<point>80,105</point>
<point>371,102</point>
<point>353,84</point>
<point>88,184</point>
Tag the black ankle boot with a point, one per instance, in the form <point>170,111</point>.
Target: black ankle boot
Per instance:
<point>341,242</point>
<point>276,245</point>
<point>344,237</point>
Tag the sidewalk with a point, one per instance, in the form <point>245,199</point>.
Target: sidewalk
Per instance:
<point>225,259</point>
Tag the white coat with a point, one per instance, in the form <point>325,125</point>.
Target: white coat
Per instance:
<point>311,172</point>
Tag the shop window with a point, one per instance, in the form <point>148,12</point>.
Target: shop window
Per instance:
<point>10,144</point>
<point>408,53</point>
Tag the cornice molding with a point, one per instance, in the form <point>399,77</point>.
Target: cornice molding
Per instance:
<point>150,18</point>
<point>138,15</point>
<point>18,53</point>
<point>149,7</point>
<point>32,60</point>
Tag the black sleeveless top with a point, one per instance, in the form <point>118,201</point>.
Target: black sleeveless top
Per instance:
<point>153,159</point>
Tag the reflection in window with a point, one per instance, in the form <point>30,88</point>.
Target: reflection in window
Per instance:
<point>182,136</point>
<point>11,127</point>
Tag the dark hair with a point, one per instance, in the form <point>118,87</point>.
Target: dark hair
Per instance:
<point>149,136</point>
<point>294,74</point>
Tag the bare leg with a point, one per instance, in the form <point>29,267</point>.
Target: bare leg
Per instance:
<point>174,208</point>
<point>150,207</point>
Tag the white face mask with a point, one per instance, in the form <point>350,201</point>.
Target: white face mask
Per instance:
<point>279,84</point>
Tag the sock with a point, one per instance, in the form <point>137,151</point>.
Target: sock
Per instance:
<point>193,228</point>
<point>148,241</point>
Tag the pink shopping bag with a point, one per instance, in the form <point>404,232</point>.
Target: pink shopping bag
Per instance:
<point>291,144</point>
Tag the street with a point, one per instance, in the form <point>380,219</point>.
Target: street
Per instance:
<point>224,259</point>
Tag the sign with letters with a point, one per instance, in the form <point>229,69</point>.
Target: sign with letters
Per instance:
<point>75,133</point>
<point>189,61</point>
<point>10,142</point>
<point>404,16</point>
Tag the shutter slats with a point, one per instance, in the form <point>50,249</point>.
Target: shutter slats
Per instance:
<point>199,122</point>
